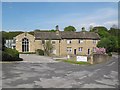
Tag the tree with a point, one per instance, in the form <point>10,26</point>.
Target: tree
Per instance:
<point>47,47</point>
<point>102,31</point>
<point>53,30</point>
<point>69,28</point>
<point>114,26</point>
<point>108,43</point>
<point>37,30</point>
<point>99,28</point>
<point>91,28</point>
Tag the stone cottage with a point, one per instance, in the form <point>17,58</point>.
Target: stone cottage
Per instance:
<point>64,43</point>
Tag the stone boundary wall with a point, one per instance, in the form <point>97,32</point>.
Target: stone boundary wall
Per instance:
<point>98,58</point>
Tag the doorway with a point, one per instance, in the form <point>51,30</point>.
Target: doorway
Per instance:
<point>88,51</point>
<point>74,51</point>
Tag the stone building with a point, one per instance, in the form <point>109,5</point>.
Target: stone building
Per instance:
<point>64,43</point>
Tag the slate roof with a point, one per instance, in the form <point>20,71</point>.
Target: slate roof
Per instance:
<point>66,35</point>
<point>47,36</point>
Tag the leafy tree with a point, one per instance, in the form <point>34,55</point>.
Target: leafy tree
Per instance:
<point>37,30</point>
<point>47,47</point>
<point>102,31</point>
<point>99,28</point>
<point>69,28</point>
<point>91,28</point>
<point>114,32</point>
<point>53,30</point>
<point>108,43</point>
<point>10,35</point>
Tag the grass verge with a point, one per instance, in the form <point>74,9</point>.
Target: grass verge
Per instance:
<point>74,62</point>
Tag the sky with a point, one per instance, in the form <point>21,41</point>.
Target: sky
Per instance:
<point>28,16</point>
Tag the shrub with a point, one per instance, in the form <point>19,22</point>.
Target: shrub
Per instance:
<point>7,57</point>
<point>12,52</point>
<point>39,52</point>
<point>100,51</point>
<point>109,54</point>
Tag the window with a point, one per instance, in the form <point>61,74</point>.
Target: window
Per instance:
<point>14,41</point>
<point>69,49</point>
<point>80,41</point>
<point>69,41</point>
<point>94,41</point>
<point>53,42</point>
<point>94,49</point>
<point>80,49</point>
<point>43,41</point>
<point>25,45</point>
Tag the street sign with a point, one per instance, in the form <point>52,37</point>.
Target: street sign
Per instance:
<point>82,58</point>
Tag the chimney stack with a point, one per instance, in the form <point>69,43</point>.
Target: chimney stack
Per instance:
<point>57,27</point>
<point>57,30</point>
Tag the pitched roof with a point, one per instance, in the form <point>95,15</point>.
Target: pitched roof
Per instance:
<point>66,35</point>
<point>47,35</point>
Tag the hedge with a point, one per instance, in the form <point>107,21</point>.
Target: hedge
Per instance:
<point>10,55</point>
<point>39,52</point>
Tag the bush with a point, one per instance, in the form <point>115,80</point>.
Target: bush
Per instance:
<point>39,52</point>
<point>12,52</point>
<point>7,57</point>
<point>10,55</point>
<point>109,54</point>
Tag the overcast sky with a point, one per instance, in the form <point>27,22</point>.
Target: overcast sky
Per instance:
<point>28,16</point>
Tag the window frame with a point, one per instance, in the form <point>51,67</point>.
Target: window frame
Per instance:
<point>94,41</point>
<point>25,45</point>
<point>69,41</point>
<point>80,41</point>
<point>69,49</point>
<point>80,49</point>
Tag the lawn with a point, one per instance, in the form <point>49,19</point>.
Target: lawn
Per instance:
<point>74,62</point>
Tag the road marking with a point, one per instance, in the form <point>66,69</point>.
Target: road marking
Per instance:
<point>111,64</point>
<point>97,70</point>
<point>82,77</point>
<point>6,62</point>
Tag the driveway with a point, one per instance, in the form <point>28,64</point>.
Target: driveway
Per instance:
<point>59,74</point>
<point>33,58</point>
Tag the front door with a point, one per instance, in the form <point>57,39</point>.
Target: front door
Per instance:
<point>88,51</point>
<point>74,51</point>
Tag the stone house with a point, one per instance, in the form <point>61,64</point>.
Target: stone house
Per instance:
<point>64,43</point>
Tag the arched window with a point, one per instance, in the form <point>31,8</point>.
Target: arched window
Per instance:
<point>25,45</point>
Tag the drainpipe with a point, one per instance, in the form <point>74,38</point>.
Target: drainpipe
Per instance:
<point>59,47</point>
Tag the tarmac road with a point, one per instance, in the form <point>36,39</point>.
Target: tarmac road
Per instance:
<point>36,73</point>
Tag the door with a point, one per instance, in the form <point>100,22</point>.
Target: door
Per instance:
<point>88,51</point>
<point>74,51</point>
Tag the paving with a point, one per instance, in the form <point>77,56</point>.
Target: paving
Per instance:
<point>45,72</point>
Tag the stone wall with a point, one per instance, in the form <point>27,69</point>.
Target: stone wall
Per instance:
<point>99,58</point>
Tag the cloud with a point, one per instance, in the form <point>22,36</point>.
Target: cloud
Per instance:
<point>103,16</point>
<point>111,23</point>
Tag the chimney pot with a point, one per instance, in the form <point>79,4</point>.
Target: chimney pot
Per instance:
<point>57,27</point>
